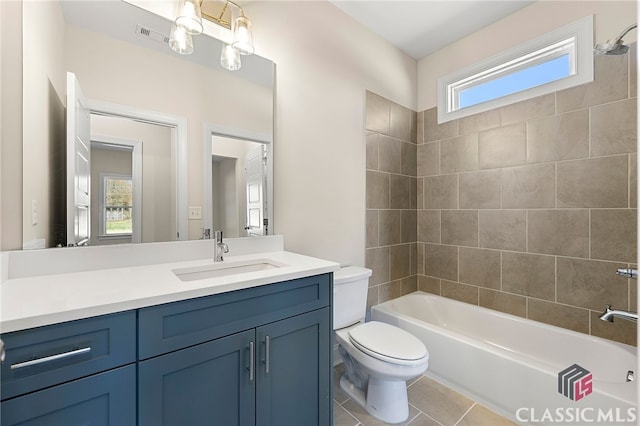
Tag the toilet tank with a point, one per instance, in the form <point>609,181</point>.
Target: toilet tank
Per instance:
<point>350,286</point>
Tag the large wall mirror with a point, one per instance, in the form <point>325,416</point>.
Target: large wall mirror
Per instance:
<point>147,107</point>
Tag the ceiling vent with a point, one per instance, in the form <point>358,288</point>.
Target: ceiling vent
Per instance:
<point>150,34</point>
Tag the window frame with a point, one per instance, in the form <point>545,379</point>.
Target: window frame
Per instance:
<point>516,59</point>
<point>103,205</point>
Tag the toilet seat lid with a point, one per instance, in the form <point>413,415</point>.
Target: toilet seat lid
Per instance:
<point>388,343</point>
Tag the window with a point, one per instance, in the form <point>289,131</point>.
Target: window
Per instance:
<point>118,205</point>
<point>560,59</point>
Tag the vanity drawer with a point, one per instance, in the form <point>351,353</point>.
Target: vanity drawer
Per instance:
<point>40,357</point>
<point>177,325</point>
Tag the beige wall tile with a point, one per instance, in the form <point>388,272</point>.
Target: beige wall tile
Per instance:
<point>441,261</point>
<point>377,259</point>
<point>541,106</point>
<point>429,226</point>
<point>414,258</point>
<point>479,267</point>
<point>420,193</point>
<point>429,284</point>
<point>614,128</point>
<point>502,147</point>
<point>477,122</point>
<point>389,227</point>
<point>595,182</point>
<point>459,154</point>
<point>633,180</point>
<point>400,265</point>
<point>377,113</point>
<point>504,302</point>
<point>400,191</point>
<point>415,192</point>
<point>460,227</point>
<point>458,291</point>
<point>377,190</point>
<point>503,229</point>
<point>408,226</point>
<point>409,284</point>
<point>372,228</point>
<point>441,192</point>
<point>408,161</point>
<point>560,137</point>
<point>434,131</point>
<point>591,283</point>
<point>610,84</point>
<point>479,190</point>
<point>400,122</point>
<point>420,128</point>
<point>390,155</point>
<point>561,232</point>
<point>529,186</point>
<point>372,150</point>
<point>390,290</point>
<point>428,162</point>
<point>529,275</point>
<point>575,319</point>
<point>613,235</point>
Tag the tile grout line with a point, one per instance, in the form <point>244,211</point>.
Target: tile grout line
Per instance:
<point>466,412</point>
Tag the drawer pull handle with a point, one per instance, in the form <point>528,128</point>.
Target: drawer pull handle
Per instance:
<point>50,358</point>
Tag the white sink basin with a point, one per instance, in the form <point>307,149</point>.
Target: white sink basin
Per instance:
<point>223,268</point>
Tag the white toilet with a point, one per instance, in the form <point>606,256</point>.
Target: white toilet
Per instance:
<point>379,358</point>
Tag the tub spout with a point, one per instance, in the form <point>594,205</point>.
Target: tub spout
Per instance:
<point>609,314</point>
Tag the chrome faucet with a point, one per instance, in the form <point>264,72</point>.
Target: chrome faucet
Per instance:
<point>219,248</point>
<point>609,314</point>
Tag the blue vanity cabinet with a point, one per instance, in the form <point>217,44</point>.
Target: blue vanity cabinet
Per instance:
<point>207,384</point>
<point>260,356</point>
<point>294,373</point>
<point>73,373</point>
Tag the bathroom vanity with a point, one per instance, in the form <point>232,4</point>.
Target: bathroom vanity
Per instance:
<point>245,348</point>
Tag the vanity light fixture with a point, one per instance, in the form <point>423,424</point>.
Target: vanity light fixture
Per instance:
<point>180,40</point>
<point>190,16</point>
<point>189,22</point>
<point>230,57</point>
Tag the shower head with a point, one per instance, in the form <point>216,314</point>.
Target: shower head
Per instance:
<point>614,47</point>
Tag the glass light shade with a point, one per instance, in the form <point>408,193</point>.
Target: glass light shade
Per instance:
<point>180,40</point>
<point>242,37</point>
<point>230,58</point>
<point>190,16</point>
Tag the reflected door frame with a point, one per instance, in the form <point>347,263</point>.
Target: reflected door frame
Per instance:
<point>243,135</point>
<point>179,151</point>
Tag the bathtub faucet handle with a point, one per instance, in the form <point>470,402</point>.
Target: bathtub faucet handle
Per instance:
<point>628,273</point>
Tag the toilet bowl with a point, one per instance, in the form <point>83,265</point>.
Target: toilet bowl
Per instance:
<point>379,358</point>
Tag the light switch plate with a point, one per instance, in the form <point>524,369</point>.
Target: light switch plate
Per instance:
<point>195,213</point>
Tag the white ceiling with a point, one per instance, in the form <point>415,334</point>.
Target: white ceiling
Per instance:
<point>421,27</point>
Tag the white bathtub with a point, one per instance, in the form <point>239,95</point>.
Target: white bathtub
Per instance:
<point>511,364</point>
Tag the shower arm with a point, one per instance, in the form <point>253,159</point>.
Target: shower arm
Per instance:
<point>624,33</point>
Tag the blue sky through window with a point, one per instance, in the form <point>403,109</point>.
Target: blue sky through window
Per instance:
<point>527,78</point>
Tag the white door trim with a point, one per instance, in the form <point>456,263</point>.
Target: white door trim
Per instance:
<point>179,149</point>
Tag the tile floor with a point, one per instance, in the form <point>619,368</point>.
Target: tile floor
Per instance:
<point>430,404</point>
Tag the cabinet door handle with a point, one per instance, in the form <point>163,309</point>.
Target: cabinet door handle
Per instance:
<point>251,360</point>
<point>266,356</point>
<point>50,358</point>
<point>2,352</point>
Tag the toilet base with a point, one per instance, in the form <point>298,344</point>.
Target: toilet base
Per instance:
<point>385,400</point>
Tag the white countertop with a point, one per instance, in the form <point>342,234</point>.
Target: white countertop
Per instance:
<point>34,301</point>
